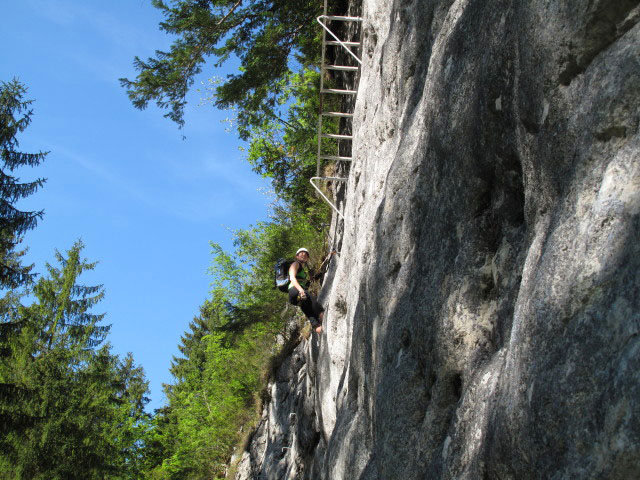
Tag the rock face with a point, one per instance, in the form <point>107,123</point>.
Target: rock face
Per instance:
<point>484,311</point>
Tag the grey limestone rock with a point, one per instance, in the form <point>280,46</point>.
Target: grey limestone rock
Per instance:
<point>484,311</point>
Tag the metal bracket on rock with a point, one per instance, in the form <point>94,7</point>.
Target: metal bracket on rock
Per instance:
<point>345,45</point>
<point>336,179</point>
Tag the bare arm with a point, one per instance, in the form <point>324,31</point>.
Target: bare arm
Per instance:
<point>293,270</point>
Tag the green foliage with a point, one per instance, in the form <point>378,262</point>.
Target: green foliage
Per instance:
<point>77,411</point>
<point>249,269</point>
<point>15,117</point>
<point>262,34</point>
<point>63,306</point>
<point>285,150</point>
<point>210,403</point>
<point>225,355</point>
<point>274,95</point>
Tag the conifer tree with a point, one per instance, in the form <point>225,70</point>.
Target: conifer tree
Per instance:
<point>84,407</point>
<point>15,117</point>
<point>264,35</point>
<point>130,426</point>
<point>274,94</point>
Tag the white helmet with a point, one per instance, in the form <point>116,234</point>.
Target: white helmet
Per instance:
<point>302,250</point>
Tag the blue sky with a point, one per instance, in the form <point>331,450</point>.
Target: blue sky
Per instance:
<point>145,202</point>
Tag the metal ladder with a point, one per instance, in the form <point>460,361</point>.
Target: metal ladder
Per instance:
<point>324,20</point>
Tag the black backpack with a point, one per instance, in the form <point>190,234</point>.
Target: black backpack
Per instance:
<point>281,274</point>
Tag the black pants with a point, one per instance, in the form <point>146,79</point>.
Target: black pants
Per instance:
<point>309,306</point>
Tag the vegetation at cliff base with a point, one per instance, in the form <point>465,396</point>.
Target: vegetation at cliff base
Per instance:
<point>226,353</point>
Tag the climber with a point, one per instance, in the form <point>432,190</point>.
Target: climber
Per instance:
<point>299,295</point>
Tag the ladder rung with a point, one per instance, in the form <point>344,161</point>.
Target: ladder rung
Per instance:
<point>330,179</point>
<point>341,92</point>
<point>348,44</point>
<point>334,135</point>
<point>337,114</point>
<point>336,158</point>
<point>343,19</point>
<point>344,68</point>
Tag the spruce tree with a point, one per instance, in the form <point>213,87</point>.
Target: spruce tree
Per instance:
<point>85,407</point>
<point>15,117</point>
<point>264,35</point>
<point>273,95</point>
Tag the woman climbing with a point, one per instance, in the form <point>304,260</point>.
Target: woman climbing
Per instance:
<point>299,295</point>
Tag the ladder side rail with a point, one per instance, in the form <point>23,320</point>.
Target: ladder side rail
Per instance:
<point>324,46</point>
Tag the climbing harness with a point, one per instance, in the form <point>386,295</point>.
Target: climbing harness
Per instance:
<point>325,21</point>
